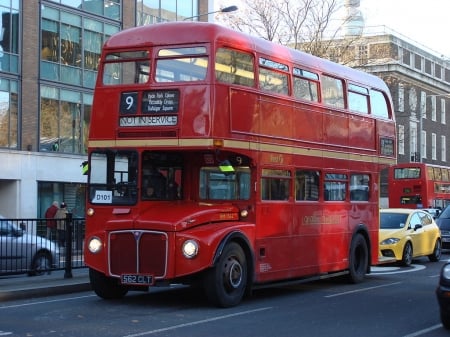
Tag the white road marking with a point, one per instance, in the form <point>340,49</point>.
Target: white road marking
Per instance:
<point>395,270</point>
<point>424,331</point>
<point>363,289</point>
<point>212,319</point>
<point>43,302</point>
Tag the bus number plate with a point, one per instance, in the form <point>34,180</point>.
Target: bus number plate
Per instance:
<point>136,279</point>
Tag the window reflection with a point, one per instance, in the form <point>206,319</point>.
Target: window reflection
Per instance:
<point>70,50</point>
<point>8,114</point>
<point>64,120</point>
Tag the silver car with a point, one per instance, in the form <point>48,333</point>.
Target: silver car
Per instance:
<point>24,252</point>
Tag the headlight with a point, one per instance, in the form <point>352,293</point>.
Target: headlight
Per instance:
<point>190,249</point>
<point>445,272</point>
<point>95,245</point>
<point>90,212</point>
<point>390,241</point>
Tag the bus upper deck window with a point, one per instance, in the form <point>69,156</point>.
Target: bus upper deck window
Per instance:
<point>273,80</point>
<point>379,105</point>
<point>182,64</point>
<point>306,85</point>
<point>126,68</point>
<point>358,98</point>
<point>332,91</point>
<point>234,67</point>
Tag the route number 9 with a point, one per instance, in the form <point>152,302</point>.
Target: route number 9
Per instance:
<point>128,102</point>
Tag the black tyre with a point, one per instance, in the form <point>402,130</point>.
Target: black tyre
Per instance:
<point>445,319</point>
<point>407,256</point>
<point>358,259</point>
<point>226,282</point>
<point>41,264</point>
<point>106,287</point>
<point>437,252</point>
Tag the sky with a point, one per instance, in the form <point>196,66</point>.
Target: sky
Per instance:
<point>424,22</point>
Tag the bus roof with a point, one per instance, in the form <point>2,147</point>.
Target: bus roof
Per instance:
<point>202,32</point>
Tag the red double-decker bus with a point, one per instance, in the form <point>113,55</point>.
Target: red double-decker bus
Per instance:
<point>230,162</point>
<point>419,185</point>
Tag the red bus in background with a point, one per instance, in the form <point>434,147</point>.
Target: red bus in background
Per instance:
<point>230,162</point>
<point>419,185</point>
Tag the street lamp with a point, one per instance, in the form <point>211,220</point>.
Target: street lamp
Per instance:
<point>421,122</point>
<point>223,10</point>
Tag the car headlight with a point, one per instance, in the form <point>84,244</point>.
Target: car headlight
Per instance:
<point>190,249</point>
<point>95,245</point>
<point>389,241</point>
<point>445,272</point>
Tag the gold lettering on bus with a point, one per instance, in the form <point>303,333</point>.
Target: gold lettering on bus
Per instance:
<point>228,216</point>
<point>321,219</point>
<point>276,158</point>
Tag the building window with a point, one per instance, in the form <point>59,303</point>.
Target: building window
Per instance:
<point>64,120</point>
<point>106,8</point>
<point>413,141</point>
<point>443,120</point>
<point>71,47</point>
<point>443,148</point>
<point>9,37</point>
<point>433,147</point>
<point>418,61</point>
<point>433,108</point>
<point>401,139</point>
<point>406,57</point>
<point>153,11</point>
<point>9,123</point>
<point>401,97</point>
<point>423,141</point>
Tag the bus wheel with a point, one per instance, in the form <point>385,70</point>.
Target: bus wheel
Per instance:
<point>359,259</point>
<point>106,287</point>
<point>407,254</point>
<point>225,283</point>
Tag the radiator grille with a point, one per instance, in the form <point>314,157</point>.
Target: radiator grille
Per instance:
<point>138,252</point>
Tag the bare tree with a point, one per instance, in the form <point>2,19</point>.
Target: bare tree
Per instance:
<point>309,25</point>
<point>257,17</point>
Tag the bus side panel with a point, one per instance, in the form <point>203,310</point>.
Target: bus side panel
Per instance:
<point>195,110</point>
<point>273,241</point>
<point>308,121</point>
<point>336,131</point>
<point>362,132</point>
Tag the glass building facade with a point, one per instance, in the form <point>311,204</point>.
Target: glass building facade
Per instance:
<point>48,69</point>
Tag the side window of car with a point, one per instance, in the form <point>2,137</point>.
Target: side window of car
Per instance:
<point>426,219</point>
<point>415,220</point>
<point>5,229</point>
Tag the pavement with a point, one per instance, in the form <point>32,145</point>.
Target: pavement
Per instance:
<point>56,283</point>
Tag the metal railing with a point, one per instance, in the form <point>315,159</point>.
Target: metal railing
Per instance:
<point>28,246</point>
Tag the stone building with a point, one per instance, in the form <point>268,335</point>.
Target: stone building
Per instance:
<point>419,81</point>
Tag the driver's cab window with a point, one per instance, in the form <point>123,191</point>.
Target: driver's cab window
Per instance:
<point>161,176</point>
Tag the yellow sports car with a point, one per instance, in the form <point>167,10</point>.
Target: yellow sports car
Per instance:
<point>408,233</point>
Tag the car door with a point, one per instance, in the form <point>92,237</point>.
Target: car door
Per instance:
<point>13,250</point>
<point>416,232</point>
<point>429,233</point>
